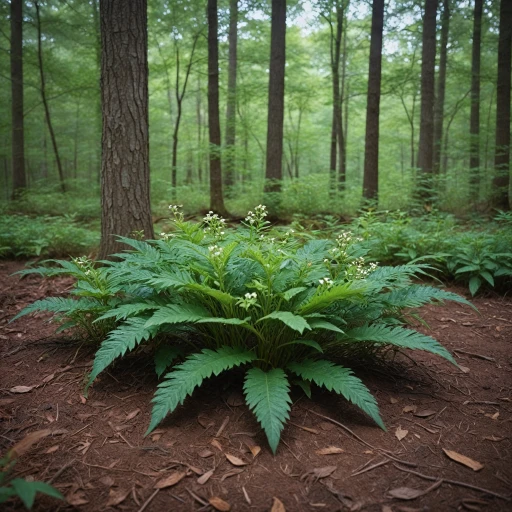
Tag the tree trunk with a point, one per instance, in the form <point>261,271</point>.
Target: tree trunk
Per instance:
<point>230,159</point>
<point>502,152</point>
<point>274,159</point>
<point>441,87</point>
<point>216,196</point>
<point>333,157</point>
<point>19,180</point>
<point>428,62</point>
<point>474,125</point>
<point>45,101</point>
<point>199,121</point>
<point>75,142</point>
<point>125,201</point>
<point>342,162</point>
<point>371,154</point>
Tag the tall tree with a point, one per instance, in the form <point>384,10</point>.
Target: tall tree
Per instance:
<point>216,195</point>
<point>474,124</point>
<point>275,120</point>
<point>229,162</point>
<point>19,180</point>
<point>428,63</point>
<point>125,203</point>
<point>371,151</point>
<point>502,152</point>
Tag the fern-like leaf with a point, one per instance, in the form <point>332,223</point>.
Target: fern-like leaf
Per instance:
<point>184,378</point>
<point>320,301</point>
<point>164,356</point>
<point>123,311</point>
<point>56,305</point>
<point>178,314</point>
<point>415,296</point>
<point>295,322</point>
<point>268,395</point>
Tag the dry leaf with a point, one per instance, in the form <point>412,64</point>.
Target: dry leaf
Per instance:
<point>400,433</point>
<point>277,506</point>
<point>318,473</point>
<point>205,453</point>
<point>21,389</point>
<point>494,438</point>
<point>98,404</point>
<point>465,369</point>
<point>77,498</point>
<point>116,497</point>
<point>170,480</point>
<point>462,459</point>
<point>216,444</point>
<point>25,444</point>
<point>52,449</point>
<point>205,422</point>
<point>324,425</point>
<point>204,478</point>
<point>84,416</point>
<point>493,416</point>
<point>425,414</point>
<point>329,450</point>
<point>83,399</point>
<point>108,481</point>
<point>393,400</point>
<point>235,460</point>
<point>132,415</point>
<point>231,473</point>
<point>219,504</point>
<point>48,378</point>
<point>255,449</point>
<point>409,408</point>
<point>155,437</point>
<point>405,493</point>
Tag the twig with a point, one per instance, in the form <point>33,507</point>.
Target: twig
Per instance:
<point>60,471</point>
<point>473,354</point>
<point>385,453</point>
<point>290,450</point>
<point>116,469</point>
<point>197,498</point>
<point>422,426</point>
<point>369,468</point>
<point>148,501</point>
<point>222,427</point>
<point>78,431</point>
<point>454,482</point>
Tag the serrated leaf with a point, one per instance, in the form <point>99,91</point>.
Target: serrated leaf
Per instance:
<point>307,343</point>
<point>318,323</point>
<point>295,322</point>
<point>268,395</point>
<point>292,292</point>
<point>338,292</point>
<point>304,385</point>
<point>126,310</point>
<point>164,356</point>
<point>178,314</point>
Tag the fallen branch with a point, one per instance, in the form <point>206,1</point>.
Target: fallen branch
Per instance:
<point>369,468</point>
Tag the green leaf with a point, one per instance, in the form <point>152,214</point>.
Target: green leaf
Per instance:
<point>289,294</point>
<point>295,322</point>
<point>342,381</point>
<point>126,310</point>
<point>324,324</point>
<point>6,493</point>
<point>308,343</point>
<point>226,321</point>
<point>467,268</point>
<point>323,300</point>
<point>474,284</point>
<point>488,277</point>
<point>224,298</point>
<point>268,395</point>
<point>27,491</point>
<point>305,385</point>
<point>415,296</point>
<point>57,305</point>
<point>164,356</point>
<point>178,314</point>
<point>184,378</point>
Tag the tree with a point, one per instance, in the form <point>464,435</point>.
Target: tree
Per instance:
<point>428,62</point>
<point>125,204</point>
<point>502,152</point>
<point>371,151</point>
<point>474,124</point>
<point>19,180</point>
<point>275,119</point>
<point>216,195</point>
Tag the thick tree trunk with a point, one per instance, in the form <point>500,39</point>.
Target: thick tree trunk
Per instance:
<point>45,101</point>
<point>474,124</point>
<point>125,202</point>
<point>428,62</point>
<point>230,159</point>
<point>216,196</point>
<point>371,155</point>
<point>441,87</point>
<point>274,159</point>
<point>19,181</point>
<point>502,152</point>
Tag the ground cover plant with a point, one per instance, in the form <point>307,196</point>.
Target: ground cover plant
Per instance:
<point>210,298</point>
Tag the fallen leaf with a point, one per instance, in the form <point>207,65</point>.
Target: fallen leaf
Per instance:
<point>255,449</point>
<point>59,432</point>
<point>205,453</point>
<point>107,481</point>
<point>407,493</point>
<point>462,459</point>
<point>48,378</point>
<point>84,416</point>
<point>393,400</point>
<point>409,408</point>
<point>26,443</point>
<point>98,404</point>
<point>324,425</point>
<point>83,446</point>
<point>132,415</point>
<point>52,449</point>
<point>21,389</point>
<point>493,416</point>
<point>317,473</point>
<point>277,506</point>
<point>494,439</point>
<point>219,504</point>
<point>216,444</point>
<point>464,369</point>
<point>425,414</point>
<point>77,498</point>
<point>329,450</point>
<point>205,422</point>
<point>231,473</point>
<point>204,478</point>
<point>400,433</point>
<point>116,497</point>
<point>235,460</point>
<point>170,480</point>
<point>83,399</point>
<point>155,437</point>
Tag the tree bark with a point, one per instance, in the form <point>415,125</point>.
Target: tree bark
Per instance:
<point>19,180</point>
<point>426,144</point>
<point>274,158</point>
<point>474,124</point>
<point>199,120</point>
<point>502,152</point>
<point>45,101</point>
<point>230,159</point>
<point>125,201</point>
<point>216,195</point>
<point>371,155</point>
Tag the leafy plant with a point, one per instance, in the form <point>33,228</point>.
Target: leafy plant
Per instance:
<point>211,299</point>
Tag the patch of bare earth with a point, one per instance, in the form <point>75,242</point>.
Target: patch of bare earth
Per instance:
<point>448,444</point>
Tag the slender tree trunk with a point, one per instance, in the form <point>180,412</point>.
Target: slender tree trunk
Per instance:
<point>216,196</point>
<point>75,142</point>
<point>428,62</point>
<point>337,97</point>
<point>125,200</point>
<point>45,101</point>
<point>274,160</point>
<point>230,159</point>
<point>371,155</point>
<point>474,125</point>
<point>199,121</point>
<point>502,152</point>
<point>333,157</point>
<point>19,180</point>
<point>441,86</point>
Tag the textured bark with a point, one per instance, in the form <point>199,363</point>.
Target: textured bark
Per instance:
<point>371,152</point>
<point>199,120</point>
<point>274,158</point>
<point>19,181</point>
<point>125,203</point>
<point>216,196</point>
<point>474,124</point>
<point>45,101</point>
<point>230,160</point>
<point>502,152</point>
<point>441,87</point>
<point>428,62</point>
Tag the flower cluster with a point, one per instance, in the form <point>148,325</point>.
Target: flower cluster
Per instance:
<point>176,213</point>
<point>248,300</point>
<point>215,225</point>
<point>344,239</point>
<point>358,269</point>
<point>326,281</point>
<point>215,251</point>
<point>85,265</point>
<point>257,217</point>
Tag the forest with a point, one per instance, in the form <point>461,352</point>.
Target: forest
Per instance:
<point>255,255</point>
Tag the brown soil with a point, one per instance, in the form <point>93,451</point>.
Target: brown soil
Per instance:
<point>97,454</point>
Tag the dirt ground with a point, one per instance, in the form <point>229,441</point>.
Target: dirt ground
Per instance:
<point>331,456</point>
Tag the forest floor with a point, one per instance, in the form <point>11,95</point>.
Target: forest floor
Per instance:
<point>331,456</point>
